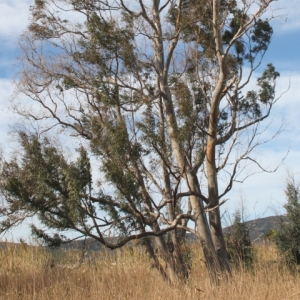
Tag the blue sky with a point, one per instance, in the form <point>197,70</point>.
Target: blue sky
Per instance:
<point>262,193</point>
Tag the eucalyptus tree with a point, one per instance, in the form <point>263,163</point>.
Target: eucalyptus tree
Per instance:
<point>156,93</point>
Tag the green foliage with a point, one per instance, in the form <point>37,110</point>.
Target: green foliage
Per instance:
<point>252,104</point>
<point>46,184</point>
<point>271,235</point>
<point>261,35</point>
<point>51,241</point>
<point>118,47</point>
<point>239,245</point>
<point>58,191</point>
<point>266,83</point>
<point>288,238</point>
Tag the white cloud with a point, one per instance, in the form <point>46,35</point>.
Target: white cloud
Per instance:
<point>289,82</point>
<point>6,89</point>
<point>14,16</point>
<point>7,118</point>
<point>287,15</point>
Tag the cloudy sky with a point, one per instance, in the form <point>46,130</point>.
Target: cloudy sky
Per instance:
<point>262,193</point>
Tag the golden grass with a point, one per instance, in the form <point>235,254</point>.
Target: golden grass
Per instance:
<point>29,273</point>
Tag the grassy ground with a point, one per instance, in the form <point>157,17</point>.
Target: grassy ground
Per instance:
<point>32,273</point>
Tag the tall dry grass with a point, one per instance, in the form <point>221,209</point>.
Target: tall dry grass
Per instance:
<point>30,273</point>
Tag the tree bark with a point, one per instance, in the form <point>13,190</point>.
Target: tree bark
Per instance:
<point>211,170</point>
<point>213,262</point>
<point>155,259</point>
<point>173,274</point>
<point>213,200</point>
<point>179,261</point>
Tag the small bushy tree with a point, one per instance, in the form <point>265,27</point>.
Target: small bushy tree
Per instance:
<point>239,245</point>
<point>288,238</point>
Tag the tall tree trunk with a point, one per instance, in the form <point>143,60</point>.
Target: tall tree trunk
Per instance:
<point>211,170</point>
<point>212,184</point>
<point>213,263</point>
<point>179,261</point>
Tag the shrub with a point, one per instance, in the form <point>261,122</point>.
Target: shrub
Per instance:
<point>239,245</point>
<point>288,238</point>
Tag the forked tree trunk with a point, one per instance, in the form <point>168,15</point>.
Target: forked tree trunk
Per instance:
<point>215,265</point>
<point>180,265</point>
<point>211,170</point>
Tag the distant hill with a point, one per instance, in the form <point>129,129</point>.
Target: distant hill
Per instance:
<point>87,244</point>
<point>259,227</point>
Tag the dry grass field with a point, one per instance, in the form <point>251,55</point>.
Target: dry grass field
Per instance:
<point>31,273</point>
